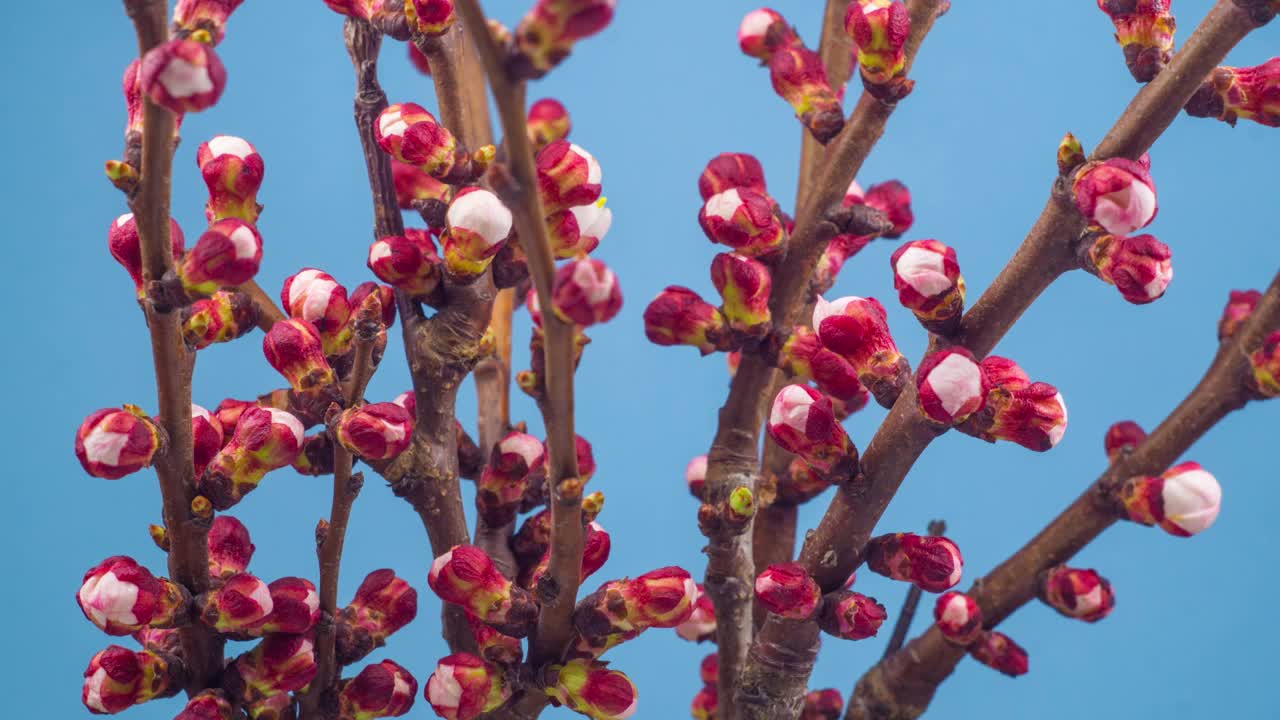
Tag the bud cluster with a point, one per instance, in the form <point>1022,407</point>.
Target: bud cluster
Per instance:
<point>857,329</point>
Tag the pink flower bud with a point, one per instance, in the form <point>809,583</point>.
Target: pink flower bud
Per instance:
<point>763,32</point>
<point>121,597</point>
<point>787,590</point>
<point>275,707</point>
<point>701,624</point>
<point>596,546</point>
<point>744,220</point>
<point>951,386</point>
<point>549,31</point>
<point>362,9</point>
<point>126,247</point>
<point>804,358</point>
<point>493,645</point>
<point>894,200</point>
<point>857,329</point>
<point>1239,307</point>
<point>478,222</point>
<point>851,616</point>
<point>240,603</point>
<point>208,705</point>
<point>295,607</point>
<point>118,678</point>
<point>379,431</point>
<point>183,76</point>
<point>589,688</point>
<point>228,413</point>
<point>709,669</point>
<point>1081,594</point>
<point>958,618</point>
<point>466,576</point>
<point>927,277</point>
<point>1117,194</point>
<point>381,690</point>
<point>998,652</point>
<point>430,17</point>
<point>132,86</point>
<point>232,171</point>
<point>727,171</point>
<point>706,704</point>
<point>463,687</point>
<point>209,16</point>
<point>1033,416</point>
<point>586,292</point>
<point>931,563</point>
<point>113,443</point>
<point>679,316</point>
<point>1265,362</point>
<point>803,423</point>
<point>410,134</point>
<point>548,122</point>
<point>879,29</point>
<point>744,284</point>
<point>568,176</point>
<point>294,348</point>
<point>696,475</point>
<point>837,253</point>
<point>414,187</point>
<point>1231,93</point>
<point>800,77</point>
<point>383,604</point>
<point>1140,266</point>
<point>580,229</point>
<point>230,548</point>
<point>227,254</point>
<point>1144,29</point>
<point>386,297</point>
<point>663,598</point>
<point>801,483</point>
<point>1183,501</point>
<point>265,439</point>
<point>315,296</point>
<point>407,262</point>
<point>825,704</point>
<point>222,317</point>
<point>206,434</point>
<point>276,665</point>
<point>1122,436</point>
<point>505,478</point>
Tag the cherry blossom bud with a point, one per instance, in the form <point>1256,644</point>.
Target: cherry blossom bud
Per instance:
<point>857,329</point>
<point>113,443</point>
<point>894,200</point>
<point>208,705</point>
<point>505,478</point>
<point>1034,416</point>
<point>294,348</point>
<point>931,563</point>
<point>787,590</point>
<point>951,386</point>
<point>744,220</point>
<point>295,607</point>
<point>596,546</point>
<point>131,84</point>
<point>709,669</point>
<point>118,678</point>
<point>493,645</point>
<point>851,616</point>
<point>278,664</point>
<point>228,413</point>
<point>386,297</point>
<point>126,247</point>
<point>463,687</point>
<point>1144,29</point>
<point>825,704</point>
<point>663,598</point>
<point>230,548</point>
<point>265,439</point>
<point>804,357</point>
<point>1070,154</point>
<point>466,576</point>
<point>744,284</point>
<point>1117,194</point>
<point>410,134</point>
<point>206,434</point>
<point>927,277</point>
<point>191,17</point>
<point>547,34</point>
<point>379,431</point>
<point>222,317</point>
<point>315,296</point>
<point>381,690</point>
<point>227,254</point>
<point>836,254</point>
<point>232,171</point>
<point>579,229</point>
<point>383,604</point>
<point>1122,436</point>
<point>586,292</point>
<point>803,423</point>
<point>679,316</point>
<point>879,29</point>
<point>727,171</point>
<point>1140,266</point>
<point>998,652</point>
<point>478,222</point>
<point>407,262</point>
<point>237,605</point>
<point>586,469</point>
<point>696,475</point>
<point>275,707</point>
<point>362,9</point>
<point>568,176</point>
<point>590,688</point>
<point>415,188</point>
<point>183,76</point>
<point>1265,362</point>
<point>1081,594</point>
<point>1239,307</point>
<point>706,704</point>
<point>701,624</point>
<point>548,122</point>
<point>430,17</point>
<point>1231,93</point>
<point>121,597</point>
<point>958,618</point>
<point>800,77</point>
<point>801,483</point>
<point>1183,501</point>
<point>763,32</point>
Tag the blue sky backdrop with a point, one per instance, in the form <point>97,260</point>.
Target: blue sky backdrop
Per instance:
<point>664,89</point>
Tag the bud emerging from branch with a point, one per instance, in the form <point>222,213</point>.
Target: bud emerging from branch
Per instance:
<point>380,431</point>
<point>1265,362</point>
<point>801,483</point>
<point>466,576</point>
<point>477,224</point>
<point>1122,436</point>
<point>732,170</point>
<point>701,624</point>
<point>706,704</point>
<point>237,605</point>
<point>1144,29</point>
<point>1032,415</point>
<point>126,248</point>
<point>822,705</point>
<point>295,607</point>
<point>800,77</point>
<point>221,317</point>
<point>857,329</point>
<point>227,254</point>
<point>568,176</point>
<point>386,297</point>
<point>118,678</point>
<point>1117,194</point>
<point>1184,501</point>
<point>1070,154</point>
<point>113,443</point>
<point>879,29</point>
<point>381,690</point>
<point>803,423</point>
<point>463,687</point>
<point>265,439</point>
<point>315,296</point>
<point>183,76</point>
<point>662,598</point>
<point>586,292</point>
<point>294,348</point>
<point>894,200</point>
<point>547,34</point>
<point>410,134</point>
<point>744,284</point>
<point>931,563</point>
<point>1081,594</point>
<point>679,316</point>
<point>505,478</point>
<point>279,664</point>
<point>1140,266</point>
<point>763,32</point>
<point>998,652</point>
<point>232,171</point>
<point>1230,93</point>
<point>580,229</point>
<point>743,219</point>
<point>407,262</point>
<point>121,597</point>
<point>958,618</point>
<point>429,17</point>
<point>590,688</point>
<point>1239,307</point>
<point>787,590</point>
<point>548,121</point>
<point>804,357</point>
<point>208,705</point>
<point>927,277</point>
<point>695,474</point>
<point>851,616</point>
<point>951,386</point>
<point>383,604</point>
<point>230,548</point>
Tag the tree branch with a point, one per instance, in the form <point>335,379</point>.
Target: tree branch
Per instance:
<point>268,312</point>
<point>836,51</point>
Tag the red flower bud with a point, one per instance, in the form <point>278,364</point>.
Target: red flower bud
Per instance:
<point>276,665</point>
<point>579,229</point>
<point>315,296</point>
<point>121,597</point>
<point>701,624</point>
<point>696,475</point>
<point>429,17</point>
<point>894,200</point>
<point>927,277</point>
<point>126,247</point>
<point>951,386</point>
<point>237,605</point>
<point>222,317</point>
<point>295,350</point>
<point>727,171</point>
<point>800,77</point>
<point>744,220</point>
<point>466,576</point>
<point>549,31</point>
<point>118,678</point>
<point>568,176</point>
<point>206,434</point>
<point>662,598</point>
<point>931,563</point>
<point>208,705</point>
<point>1082,594</point>
<point>463,687</point>
<point>803,423</point>
<point>804,358</point>
<point>1117,194</point>
<point>958,618</point>
<point>228,413</point>
<point>227,254</point>
<point>586,292</point>
<point>801,483</point>
<point>381,690</point>
<point>836,254</point>
<point>295,607</point>
<point>744,284</point>
<point>548,122</point>
<point>208,16</point>
<point>183,76</point>
<point>503,482</point>
<point>1124,435</point>
<point>1140,266</point>
<point>265,439</point>
<point>879,29</point>
<point>998,652</point>
<point>407,262</point>
<point>477,222</point>
<point>1005,373</point>
<point>851,616</point>
<point>1144,29</point>
<point>825,704</point>
<point>276,707</point>
<point>232,171</point>
<point>679,316</point>
<point>386,296</point>
<point>787,590</point>
<point>380,431</point>
<point>410,134</point>
<point>1265,362</point>
<point>706,704</point>
<point>1239,307</point>
<point>589,688</point>
<point>230,548</point>
<point>113,443</point>
<point>383,604</point>
<point>413,186</point>
<point>857,329</point>
<point>1183,501</point>
<point>763,32</point>
<point>1231,93</point>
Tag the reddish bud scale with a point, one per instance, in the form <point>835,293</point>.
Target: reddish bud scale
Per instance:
<point>706,704</point>
<point>1122,436</point>
<point>505,479</point>
<point>803,423</point>
<point>265,439</point>
<point>679,316</point>
<point>590,688</point>
<point>1265,363</point>
<point>727,171</point>
<point>1183,501</point>
<point>410,134</point>
<point>132,86</point>
<point>788,591</point>
<point>206,434</point>
<point>208,16</point>
<point>1231,93</point>
<point>1080,594</point>
<point>381,690</point>
<point>958,618</point>
<point>430,17</point>
<point>549,31</point>
<point>415,188</point>
<point>951,386</point>
<point>1239,307</point>
<point>232,170</point>
<point>294,348</point>
<point>596,546</point>
<point>763,32</point>
<point>568,176</point>
<point>407,262</point>
<point>230,548</point>
<point>295,607</point>
<point>744,284</point>
<point>383,604</point>
<point>998,652</point>
<point>851,616</point>
<point>228,413</point>
<point>1117,194</point>
<point>229,253</point>
<point>208,705</point>
<point>836,254</point>
<point>663,598</point>
<point>386,298</point>
<point>800,77</point>
<point>857,329</point>
<point>879,29</point>
<point>579,230</point>
<point>362,9</point>
<point>931,563</point>
<point>121,597</point>
<point>239,604</point>
<point>466,576</point>
<point>112,443</point>
<point>894,200</point>
<point>586,292</point>
<point>463,687</point>
<point>493,645</point>
<point>548,121</point>
<point>125,246</point>
<point>744,220</point>
<point>379,431</point>
<point>804,358</point>
<point>1032,415</point>
<point>221,317</point>
<point>801,483</point>
<point>825,704</point>
<point>1145,30</point>
<point>701,623</point>
<point>276,665</point>
<point>183,76</point>
<point>1140,266</point>
<point>118,678</point>
<point>927,277</point>
<point>315,296</point>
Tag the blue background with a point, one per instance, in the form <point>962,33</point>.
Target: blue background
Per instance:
<point>663,90</point>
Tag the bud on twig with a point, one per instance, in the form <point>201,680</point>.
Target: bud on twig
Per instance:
<point>548,121</point>
<point>429,17</point>
<point>744,284</point>
<point>265,439</point>
<point>590,688</point>
<point>1122,436</point>
<point>701,623</point>
<point>232,170</point>
<point>227,254</point>
<point>998,652</point>
<point>239,604</point>
<point>894,200</point>
<point>763,32</point>
<point>927,277</point>
<point>121,597</point>
<point>126,248</point>
<point>1140,266</point>
<point>822,705</point>
<point>857,329</point>
<point>466,576</point>
<point>1081,594</point>
<point>1230,93</point>
<point>788,591</point>
<point>663,598</point>
<point>1144,29</point>
<point>183,76</point>
<point>804,357</point>
<point>230,548</point>
<point>505,478</point>
<point>958,618</point>
<point>295,607</point>
<point>201,18</point>
<point>800,77</point>
<point>463,687</point>
<point>951,386</point>
<point>931,563</point>
<point>1070,154</point>
<point>407,262</point>
<point>118,678</point>
<point>383,604</point>
<point>1032,415</point>
<point>879,29</point>
<point>1265,363</point>
<point>222,317</point>
<point>547,34</point>
<point>1117,194</point>
<point>208,705</point>
<point>1183,501</point>
<point>278,664</point>
<point>294,348</point>
<point>113,443</point>
<point>586,292</point>
<point>803,423</point>
<point>743,219</point>
<point>679,316</point>
<point>315,296</point>
<point>380,431</point>
<point>851,616</point>
<point>476,226</point>
<point>380,690</point>
<point>1240,306</point>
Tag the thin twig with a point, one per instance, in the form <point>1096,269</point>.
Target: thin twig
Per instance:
<point>903,623</point>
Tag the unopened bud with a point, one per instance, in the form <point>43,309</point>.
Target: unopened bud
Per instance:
<point>1117,194</point>
<point>1265,363</point>
<point>825,704</point>
<point>857,329</point>
<point>430,17</point>
<point>126,246</point>
<point>381,690</point>
<point>998,652</point>
<point>463,687</point>
<point>931,563</point>
<point>121,597</point>
<point>407,262</point>
<point>477,223</point>
<point>586,292</point>
<point>679,316</point>
<point>800,77</point>
<point>278,664</point>
<point>1122,436</point>
<point>568,176</point>
<point>1140,266</point>
<point>221,317</point>
<point>265,439</point>
<point>1232,93</point>
<point>763,32</point>
<point>851,616</point>
<point>803,423</point>
<point>927,277</point>
<point>1144,29</point>
<point>787,590</point>
<point>590,688</point>
<point>1239,307</point>
<point>744,220</point>
<point>230,548</point>
<point>1081,594</point>
<point>548,122</point>
<point>229,253</point>
<point>466,576</point>
<point>232,170</point>
<point>958,618</point>
<point>294,348</point>
<point>549,31</point>
<point>894,200</point>
<point>237,605</point>
<point>580,229</point>
<point>118,678</point>
<point>183,76</point>
<point>1183,501</point>
<point>112,443</point>
<point>379,431</point>
<point>951,386</point>
<point>208,705</point>
<point>879,29</point>
<point>701,623</point>
<point>383,604</point>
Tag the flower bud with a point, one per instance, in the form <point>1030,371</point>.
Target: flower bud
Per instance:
<point>1265,362</point>
<point>265,439</point>
<point>879,29</point>
<point>383,604</point>
<point>407,262</point>
<point>237,605</point>
<point>803,423</point>
<point>1122,436</point>
<point>1070,154</point>
<point>429,17</point>
<point>466,576</point>
<point>586,292</point>
<point>206,434</point>
<point>800,77</point>
<point>1117,194</point>
<point>183,76</point>
<point>1239,307</point>
<point>228,413</point>
<point>825,704</point>
<point>295,607</point>
<point>1034,417</point>
<point>121,597</point>
<point>857,329</point>
<point>579,230</point>
<point>851,616</point>
<point>706,704</point>
<point>763,32</point>
<point>113,443</point>
<point>505,478</point>
<point>787,590</point>
<point>386,297</point>
<point>230,548</point>
<point>663,598</point>
<point>276,707</point>
<point>208,16</point>
<point>415,188</point>
<point>477,222</point>
<point>951,386</point>
<point>381,690</point>
<point>126,247</point>
<point>590,688</point>
<point>463,687</point>
<point>315,296</point>
<point>801,483</point>
<point>1144,29</point>
<point>1183,501</point>
<point>208,705</point>
<point>118,678</point>
<point>1081,594</point>
<point>222,317</point>
<point>232,171</point>
<point>894,200</point>
<point>1140,266</point>
<point>696,476</point>
<point>548,122</point>
<point>701,624</point>
<point>958,618</point>
<point>931,563</point>
<point>227,254</point>
<point>596,546</point>
<point>727,171</point>
<point>744,284</point>
<point>549,31</point>
<point>927,277</point>
<point>276,665</point>
<point>804,358</point>
<point>294,348</point>
<point>410,134</point>
<point>998,652</point>
<point>744,220</point>
<point>1231,93</point>
<point>379,431</point>
<point>568,176</point>
<point>679,316</point>
<point>494,646</point>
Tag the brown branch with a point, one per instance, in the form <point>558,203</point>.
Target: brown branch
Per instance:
<point>902,685</point>
<point>903,623</point>
<point>836,51</point>
<point>174,364</point>
<point>493,393</point>
<point>268,312</point>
